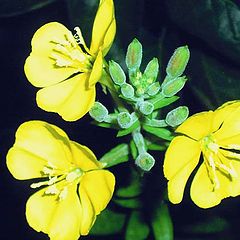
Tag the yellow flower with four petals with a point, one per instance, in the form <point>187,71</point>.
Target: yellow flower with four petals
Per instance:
<point>75,188</point>
<point>216,136</point>
<point>65,69</point>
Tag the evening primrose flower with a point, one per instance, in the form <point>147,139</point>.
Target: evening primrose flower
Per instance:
<point>67,70</point>
<point>216,136</point>
<point>75,188</point>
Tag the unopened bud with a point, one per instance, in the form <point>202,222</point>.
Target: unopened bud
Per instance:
<point>127,90</point>
<point>178,62</point>
<point>117,73</point>
<point>124,119</point>
<point>145,161</point>
<point>153,89</point>
<point>134,55</point>
<point>146,108</point>
<point>174,86</point>
<point>98,112</point>
<point>151,70</point>
<point>177,116</point>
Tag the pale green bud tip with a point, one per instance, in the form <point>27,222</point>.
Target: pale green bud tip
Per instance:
<point>177,116</point>
<point>117,74</point>
<point>153,89</point>
<point>134,55</point>
<point>127,90</point>
<point>145,161</point>
<point>174,86</point>
<point>178,62</point>
<point>124,119</point>
<point>98,112</point>
<point>146,108</point>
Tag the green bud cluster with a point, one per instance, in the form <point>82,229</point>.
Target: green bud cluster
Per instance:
<point>141,98</point>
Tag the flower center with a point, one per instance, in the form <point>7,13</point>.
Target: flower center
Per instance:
<point>215,161</point>
<point>72,52</point>
<point>57,183</point>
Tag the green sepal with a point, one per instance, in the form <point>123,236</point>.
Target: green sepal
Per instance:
<point>177,116</point>
<point>151,71</point>
<point>160,101</point>
<point>116,72</point>
<point>136,227</point>
<point>115,156</point>
<point>178,62</point>
<point>159,132</point>
<point>115,223</point>
<point>162,223</point>
<point>134,55</point>
<point>156,147</point>
<point>174,86</point>
<point>126,131</point>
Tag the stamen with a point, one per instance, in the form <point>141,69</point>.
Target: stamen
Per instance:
<point>52,190</point>
<point>215,178</point>
<point>39,184</point>
<point>76,173</point>
<point>63,194</point>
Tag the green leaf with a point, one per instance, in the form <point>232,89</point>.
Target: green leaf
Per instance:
<point>133,187</point>
<point>134,203</point>
<point>108,222</point>
<point>160,101</point>
<point>116,155</point>
<point>16,7</point>
<point>133,149</point>
<point>159,132</point>
<point>137,229</point>
<point>162,224</point>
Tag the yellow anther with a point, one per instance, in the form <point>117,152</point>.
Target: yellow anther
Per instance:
<point>52,190</point>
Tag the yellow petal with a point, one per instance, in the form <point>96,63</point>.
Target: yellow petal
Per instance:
<point>40,69</point>
<point>89,215</point>
<point>38,142</point>
<point>96,70</point>
<point>202,192</point>
<point>71,99</point>
<point>181,158</point>
<point>223,112</point>
<point>109,37</point>
<point>102,24</point>
<point>42,72</point>
<point>24,164</point>
<point>83,157</point>
<point>197,126</point>
<point>99,187</point>
<point>231,122</point>
<point>61,220</point>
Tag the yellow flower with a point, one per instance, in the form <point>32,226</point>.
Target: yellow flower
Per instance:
<point>215,135</point>
<point>61,64</point>
<point>75,188</point>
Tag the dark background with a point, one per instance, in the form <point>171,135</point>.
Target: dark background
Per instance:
<point>211,29</point>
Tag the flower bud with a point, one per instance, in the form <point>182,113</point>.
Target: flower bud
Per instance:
<point>116,72</point>
<point>151,70</point>
<point>145,161</point>
<point>134,55</point>
<point>146,108</point>
<point>127,90</point>
<point>98,112</point>
<point>174,86</point>
<point>153,89</point>
<point>178,62</point>
<point>177,116</point>
<point>124,119</point>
